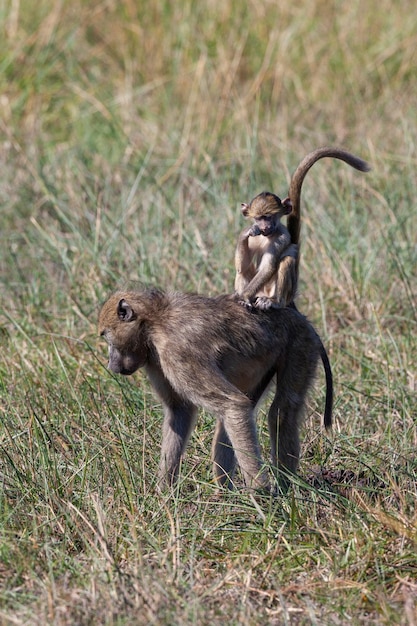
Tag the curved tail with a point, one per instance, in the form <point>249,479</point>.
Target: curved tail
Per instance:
<point>297,179</point>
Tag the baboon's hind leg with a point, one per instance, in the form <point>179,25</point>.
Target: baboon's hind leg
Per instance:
<point>286,411</point>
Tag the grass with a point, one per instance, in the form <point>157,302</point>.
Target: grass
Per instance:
<point>130,133</point>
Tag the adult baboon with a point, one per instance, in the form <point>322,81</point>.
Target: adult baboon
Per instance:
<point>215,354</point>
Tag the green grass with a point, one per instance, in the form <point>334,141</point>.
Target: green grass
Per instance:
<point>130,134</point>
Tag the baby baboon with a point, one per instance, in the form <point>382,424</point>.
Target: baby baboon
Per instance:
<point>267,254</point>
<point>215,354</point>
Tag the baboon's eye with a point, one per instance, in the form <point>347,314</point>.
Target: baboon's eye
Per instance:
<point>104,335</point>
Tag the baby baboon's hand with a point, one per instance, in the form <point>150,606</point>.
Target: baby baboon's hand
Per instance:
<point>246,303</point>
<point>254,231</point>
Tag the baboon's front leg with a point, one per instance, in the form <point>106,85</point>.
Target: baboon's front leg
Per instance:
<point>224,459</point>
<point>178,424</point>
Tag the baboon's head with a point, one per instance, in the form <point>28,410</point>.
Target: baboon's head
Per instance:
<point>121,325</point>
<point>267,209</point>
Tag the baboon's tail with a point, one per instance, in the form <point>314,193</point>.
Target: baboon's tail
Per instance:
<point>328,407</point>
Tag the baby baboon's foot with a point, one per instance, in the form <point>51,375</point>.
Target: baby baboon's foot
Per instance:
<point>263,303</point>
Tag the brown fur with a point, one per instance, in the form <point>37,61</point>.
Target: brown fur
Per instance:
<point>215,354</point>
<point>265,203</point>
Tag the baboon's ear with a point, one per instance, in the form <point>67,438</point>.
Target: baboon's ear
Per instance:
<point>125,311</point>
<point>244,208</point>
<point>287,204</point>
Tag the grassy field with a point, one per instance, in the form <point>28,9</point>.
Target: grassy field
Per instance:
<point>130,134</point>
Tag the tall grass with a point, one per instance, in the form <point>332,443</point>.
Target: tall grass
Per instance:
<point>130,133</point>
